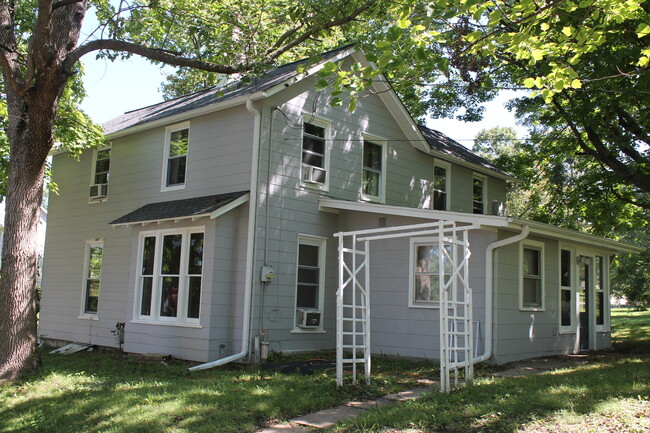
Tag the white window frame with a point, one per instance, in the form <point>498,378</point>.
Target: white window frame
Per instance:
<point>414,243</point>
<point>447,166</point>
<point>327,125</point>
<point>383,143</point>
<point>181,318</point>
<point>84,288</point>
<point>321,243</point>
<point>168,132</point>
<point>604,283</point>
<point>93,170</point>
<point>536,246</point>
<point>484,180</point>
<point>572,288</point>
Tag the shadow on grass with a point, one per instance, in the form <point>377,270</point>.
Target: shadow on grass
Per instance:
<point>109,392</point>
<point>505,404</point>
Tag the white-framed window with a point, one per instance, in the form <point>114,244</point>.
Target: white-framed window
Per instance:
<point>425,275</point>
<point>175,156</point>
<point>94,253</point>
<point>314,161</point>
<point>601,290</point>
<point>373,180</point>
<point>310,282</point>
<point>100,174</point>
<point>531,268</point>
<point>170,275</point>
<point>567,300</point>
<point>479,195</point>
<point>441,184</point>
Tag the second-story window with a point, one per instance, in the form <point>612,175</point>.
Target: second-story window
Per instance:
<point>440,186</point>
<point>478,195</point>
<point>176,146</point>
<point>101,171</point>
<point>314,154</point>
<point>373,170</point>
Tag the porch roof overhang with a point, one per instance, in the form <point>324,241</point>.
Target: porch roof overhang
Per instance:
<point>211,206</point>
<point>559,233</point>
<point>334,205</point>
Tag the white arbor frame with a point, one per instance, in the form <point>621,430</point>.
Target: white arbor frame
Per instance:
<point>353,298</point>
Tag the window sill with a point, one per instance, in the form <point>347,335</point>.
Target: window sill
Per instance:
<point>533,309</point>
<point>307,331</point>
<point>372,199</point>
<point>104,200</point>
<point>88,317</point>
<point>172,188</point>
<point>435,306</point>
<point>566,332</point>
<point>315,186</point>
<point>160,323</point>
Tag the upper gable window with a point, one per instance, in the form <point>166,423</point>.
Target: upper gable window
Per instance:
<point>101,171</point>
<point>176,146</point>
<point>478,194</point>
<point>314,156</point>
<point>374,170</point>
<point>441,185</point>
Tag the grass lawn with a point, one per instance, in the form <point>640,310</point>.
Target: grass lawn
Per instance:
<point>611,393</point>
<point>104,391</point>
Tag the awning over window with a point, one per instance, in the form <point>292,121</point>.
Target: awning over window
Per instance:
<point>191,208</point>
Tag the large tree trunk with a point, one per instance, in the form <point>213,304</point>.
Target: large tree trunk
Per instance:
<point>30,138</point>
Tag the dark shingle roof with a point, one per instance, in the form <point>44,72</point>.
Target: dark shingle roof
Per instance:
<point>191,207</point>
<point>443,144</point>
<point>210,96</point>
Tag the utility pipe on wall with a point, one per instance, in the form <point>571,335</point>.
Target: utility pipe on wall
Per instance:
<point>489,288</point>
<point>250,248</point>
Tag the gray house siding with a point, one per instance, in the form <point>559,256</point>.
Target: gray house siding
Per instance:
<point>219,161</point>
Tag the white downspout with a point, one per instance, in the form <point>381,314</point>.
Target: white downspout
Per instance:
<point>489,288</point>
<point>250,248</point>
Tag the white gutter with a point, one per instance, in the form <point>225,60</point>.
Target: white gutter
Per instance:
<point>489,288</point>
<point>250,248</point>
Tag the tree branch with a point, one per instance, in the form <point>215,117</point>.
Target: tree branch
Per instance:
<point>147,52</point>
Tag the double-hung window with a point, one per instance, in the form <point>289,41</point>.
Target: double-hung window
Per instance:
<point>310,279</point>
<point>175,159</point>
<point>100,174</point>
<point>92,278</point>
<point>567,296</point>
<point>599,290</point>
<point>478,194</point>
<point>531,295</point>
<point>426,275</point>
<point>373,176</point>
<point>170,275</point>
<point>314,154</point>
<point>441,185</point>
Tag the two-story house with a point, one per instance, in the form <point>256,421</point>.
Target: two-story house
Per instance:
<point>221,225</point>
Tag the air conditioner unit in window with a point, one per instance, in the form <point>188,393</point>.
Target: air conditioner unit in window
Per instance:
<point>308,319</point>
<point>98,191</point>
<point>313,174</point>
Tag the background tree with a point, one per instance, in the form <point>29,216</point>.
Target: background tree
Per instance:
<point>39,57</point>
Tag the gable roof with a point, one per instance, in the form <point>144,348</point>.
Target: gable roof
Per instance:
<point>197,207</point>
<point>214,95</point>
<point>445,146</point>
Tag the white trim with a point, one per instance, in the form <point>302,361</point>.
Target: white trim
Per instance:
<point>168,132</point>
<point>447,167</point>
<point>383,144</point>
<point>230,206</point>
<point>154,317</point>
<point>328,136</point>
<point>572,288</point>
<point>604,288</point>
<point>84,288</point>
<point>321,243</point>
<point>539,246</point>
<point>484,193</point>
<point>325,204</point>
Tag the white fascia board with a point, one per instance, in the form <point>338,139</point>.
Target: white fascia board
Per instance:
<point>161,221</point>
<point>328,204</point>
<point>553,232</point>
<point>187,115</point>
<point>230,206</point>
<point>473,167</point>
